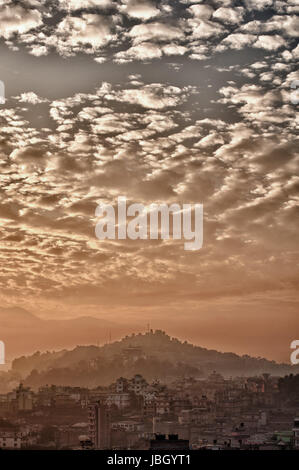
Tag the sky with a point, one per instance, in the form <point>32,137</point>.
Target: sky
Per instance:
<point>165,102</point>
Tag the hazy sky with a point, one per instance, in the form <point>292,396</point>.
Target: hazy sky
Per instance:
<point>167,101</point>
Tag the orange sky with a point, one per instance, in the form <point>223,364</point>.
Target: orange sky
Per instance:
<point>170,103</point>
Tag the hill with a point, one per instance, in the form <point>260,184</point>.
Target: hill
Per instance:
<point>155,355</point>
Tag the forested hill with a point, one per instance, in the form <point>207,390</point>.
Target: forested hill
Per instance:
<point>155,355</point>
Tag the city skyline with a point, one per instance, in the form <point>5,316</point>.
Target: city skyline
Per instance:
<point>185,102</point>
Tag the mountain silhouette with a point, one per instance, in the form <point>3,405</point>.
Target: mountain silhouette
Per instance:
<point>154,354</point>
<point>25,333</point>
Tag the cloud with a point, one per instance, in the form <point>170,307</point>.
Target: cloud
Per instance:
<point>174,49</point>
<point>73,5</point>
<point>295,52</point>
<point>259,105</point>
<point>38,51</point>
<point>270,43</point>
<point>140,9</point>
<point>155,32</point>
<point>109,124</point>
<point>143,30</point>
<point>258,4</point>
<point>149,51</point>
<point>30,158</point>
<point>288,25</point>
<point>30,98</point>
<point>15,19</point>
<point>229,15</point>
<point>204,29</point>
<point>143,51</point>
<point>237,41</point>
<point>91,30</point>
<point>154,96</point>
<point>203,12</point>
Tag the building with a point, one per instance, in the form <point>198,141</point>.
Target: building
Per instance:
<point>296,433</point>
<point>163,403</point>
<point>4,405</point>
<point>149,407</point>
<point>21,398</point>
<point>10,440</point>
<point>137,384</point>
<point>121,385</point>
<point>172,443</point>
<point>128,425</point>
<point>64,400</point>
<point>121,400</point>
<point>99,425</point>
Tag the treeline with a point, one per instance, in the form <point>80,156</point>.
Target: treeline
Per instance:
<point>102,372</point>
<point>289,388</point>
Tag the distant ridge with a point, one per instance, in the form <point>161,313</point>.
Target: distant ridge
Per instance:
<point>25,333</point>
<point>155,355</point>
